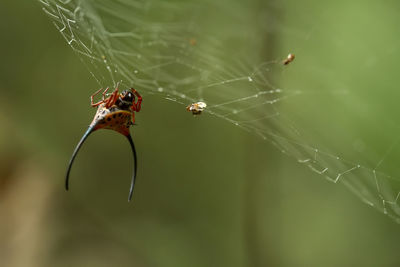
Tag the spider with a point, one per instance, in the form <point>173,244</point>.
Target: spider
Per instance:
<point>115,111</point>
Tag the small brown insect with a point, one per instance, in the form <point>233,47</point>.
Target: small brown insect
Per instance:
<point>192,41</point>
<point>196,108</point>
<point>289,59</point>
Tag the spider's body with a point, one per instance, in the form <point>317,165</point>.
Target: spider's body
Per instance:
<point>115,112</point>
<point>113,118</point>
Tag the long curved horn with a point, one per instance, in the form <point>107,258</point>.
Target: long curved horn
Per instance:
<point>134,167</point>
<point>87,133</point>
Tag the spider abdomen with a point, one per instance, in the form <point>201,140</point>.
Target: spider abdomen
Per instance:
<point>113,119</point>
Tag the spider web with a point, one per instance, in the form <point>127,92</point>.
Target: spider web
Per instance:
<point>219,53</point>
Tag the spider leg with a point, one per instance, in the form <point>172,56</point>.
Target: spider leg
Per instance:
<point>104,93</point>
<point>132,116</point>
<point>85,135</point>
<point>112,99</point>
<point>138,104</point>
<point>101,101</point>
<point>134,166</point>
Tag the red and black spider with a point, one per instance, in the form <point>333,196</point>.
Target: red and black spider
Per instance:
<point>115,111</point>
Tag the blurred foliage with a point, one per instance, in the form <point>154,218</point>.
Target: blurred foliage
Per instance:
<point>241,203</point>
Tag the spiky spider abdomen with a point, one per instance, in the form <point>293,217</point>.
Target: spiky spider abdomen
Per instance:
<point>113,118</point>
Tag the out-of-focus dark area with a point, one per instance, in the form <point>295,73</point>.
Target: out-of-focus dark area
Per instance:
<point>207,194</point>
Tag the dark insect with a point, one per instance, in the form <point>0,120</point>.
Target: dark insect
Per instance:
<point>115,111</point>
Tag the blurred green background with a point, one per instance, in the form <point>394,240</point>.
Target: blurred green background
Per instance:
<point>241,203</point>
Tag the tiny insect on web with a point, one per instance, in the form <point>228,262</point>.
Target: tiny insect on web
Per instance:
<point>196,108</point>
<point>114,112</point>
<point>289,59</point>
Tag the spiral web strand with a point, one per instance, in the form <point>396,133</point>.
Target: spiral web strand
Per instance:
<point>169,49</point>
